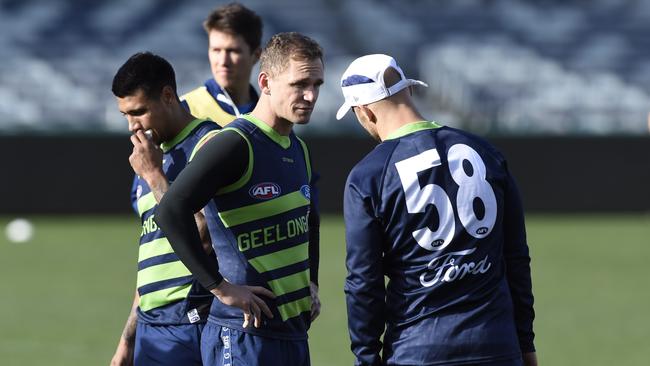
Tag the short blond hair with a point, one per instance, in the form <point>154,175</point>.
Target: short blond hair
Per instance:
<point>283,47</point>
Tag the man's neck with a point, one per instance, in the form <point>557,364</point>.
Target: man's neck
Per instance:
<point>239,94</point>
<point>181,119</point>
<point>266,115</point>
<point>396,120</point>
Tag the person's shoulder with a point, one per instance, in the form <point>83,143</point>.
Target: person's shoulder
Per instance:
<point>209,87</point>
<point>374,163</point>
<point>452,131</point>
<point>451,135</point>
<point>193,93</point>
<point>241,124</point>
<point>205,130</point>
<point>206,126</point>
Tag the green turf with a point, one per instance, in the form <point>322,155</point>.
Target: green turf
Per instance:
<point>64,295</point>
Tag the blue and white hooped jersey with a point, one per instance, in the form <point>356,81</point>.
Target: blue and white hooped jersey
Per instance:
<point>435,210</point>
<point>168,292</point>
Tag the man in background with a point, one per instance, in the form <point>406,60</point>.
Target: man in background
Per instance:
<point>253,179</point>
<point>234,40</point>
<point>436,211</point>
<point>169,307</point>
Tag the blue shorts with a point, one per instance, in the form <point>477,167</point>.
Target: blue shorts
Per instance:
<point>222,346</point>
<point>168,344</point>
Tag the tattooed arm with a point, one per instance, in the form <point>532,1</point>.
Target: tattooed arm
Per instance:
<point>124,353</point>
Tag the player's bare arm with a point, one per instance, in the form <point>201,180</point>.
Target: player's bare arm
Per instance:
<point>124,353</point>
<point>530,359</point>
<point>315,301</point>
<point>128,334</point>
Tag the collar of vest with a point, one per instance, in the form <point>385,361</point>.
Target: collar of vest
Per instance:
<point>283,141</point>
<point>168,145</point>
<point>215,89</point>
<point>411,128</point>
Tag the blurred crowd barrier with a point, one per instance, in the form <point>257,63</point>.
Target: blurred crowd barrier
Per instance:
<point>91,173</point>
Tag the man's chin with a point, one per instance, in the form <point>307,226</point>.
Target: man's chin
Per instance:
<point>301,120</point>
<point>223,81</point>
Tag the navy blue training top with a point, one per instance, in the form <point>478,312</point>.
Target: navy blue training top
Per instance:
<point>435,210</point>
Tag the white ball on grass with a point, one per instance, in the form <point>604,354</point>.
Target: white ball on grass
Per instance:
<point>19,230</point>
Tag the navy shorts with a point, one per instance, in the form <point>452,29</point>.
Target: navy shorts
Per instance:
<point>222,346</point>
<point>168,345</point>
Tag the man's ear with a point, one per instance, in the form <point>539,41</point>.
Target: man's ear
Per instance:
<point>368,113</point>
<point>263,82</point>
<point>168,96</point>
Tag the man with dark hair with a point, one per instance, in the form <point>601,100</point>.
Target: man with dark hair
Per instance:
<point>234,37</point>
<point>170,307</point>
<point>436,211</point>
<point>254,181</point>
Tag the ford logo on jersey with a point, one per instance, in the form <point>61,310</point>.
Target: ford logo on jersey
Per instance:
<point>264,191</point>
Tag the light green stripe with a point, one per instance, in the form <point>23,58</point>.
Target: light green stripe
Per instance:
<point>307,160</point>
<point>283,141</point>
<point>202,141</point>
<point>413,127</point>
<point>249,171</point>
<point>282,258</point>
<point>146,202</point>
<point>295,308</point>
<point>154,248</point>
<point>290,283</point>
<point>261,210</point>
<point>166,146</point>
<point>165,296</point>
<point>162,272</point>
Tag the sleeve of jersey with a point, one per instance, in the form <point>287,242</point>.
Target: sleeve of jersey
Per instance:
<point>364,284</point>
<point>518,267</point>
<point>134,195</point>
<point>221,161</point>
<point>314,230</point>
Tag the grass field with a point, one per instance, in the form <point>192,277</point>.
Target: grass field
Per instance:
<point>64,296</point>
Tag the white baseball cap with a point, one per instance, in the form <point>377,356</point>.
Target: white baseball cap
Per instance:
<point>363,81</point>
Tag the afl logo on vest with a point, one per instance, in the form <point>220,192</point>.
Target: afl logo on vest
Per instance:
<point>264,191</point>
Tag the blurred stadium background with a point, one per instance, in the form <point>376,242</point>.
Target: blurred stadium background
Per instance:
<point>562,87</point>
<point>497,66</point>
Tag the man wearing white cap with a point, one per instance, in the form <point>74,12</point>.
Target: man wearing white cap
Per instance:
<point>436,211</point>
